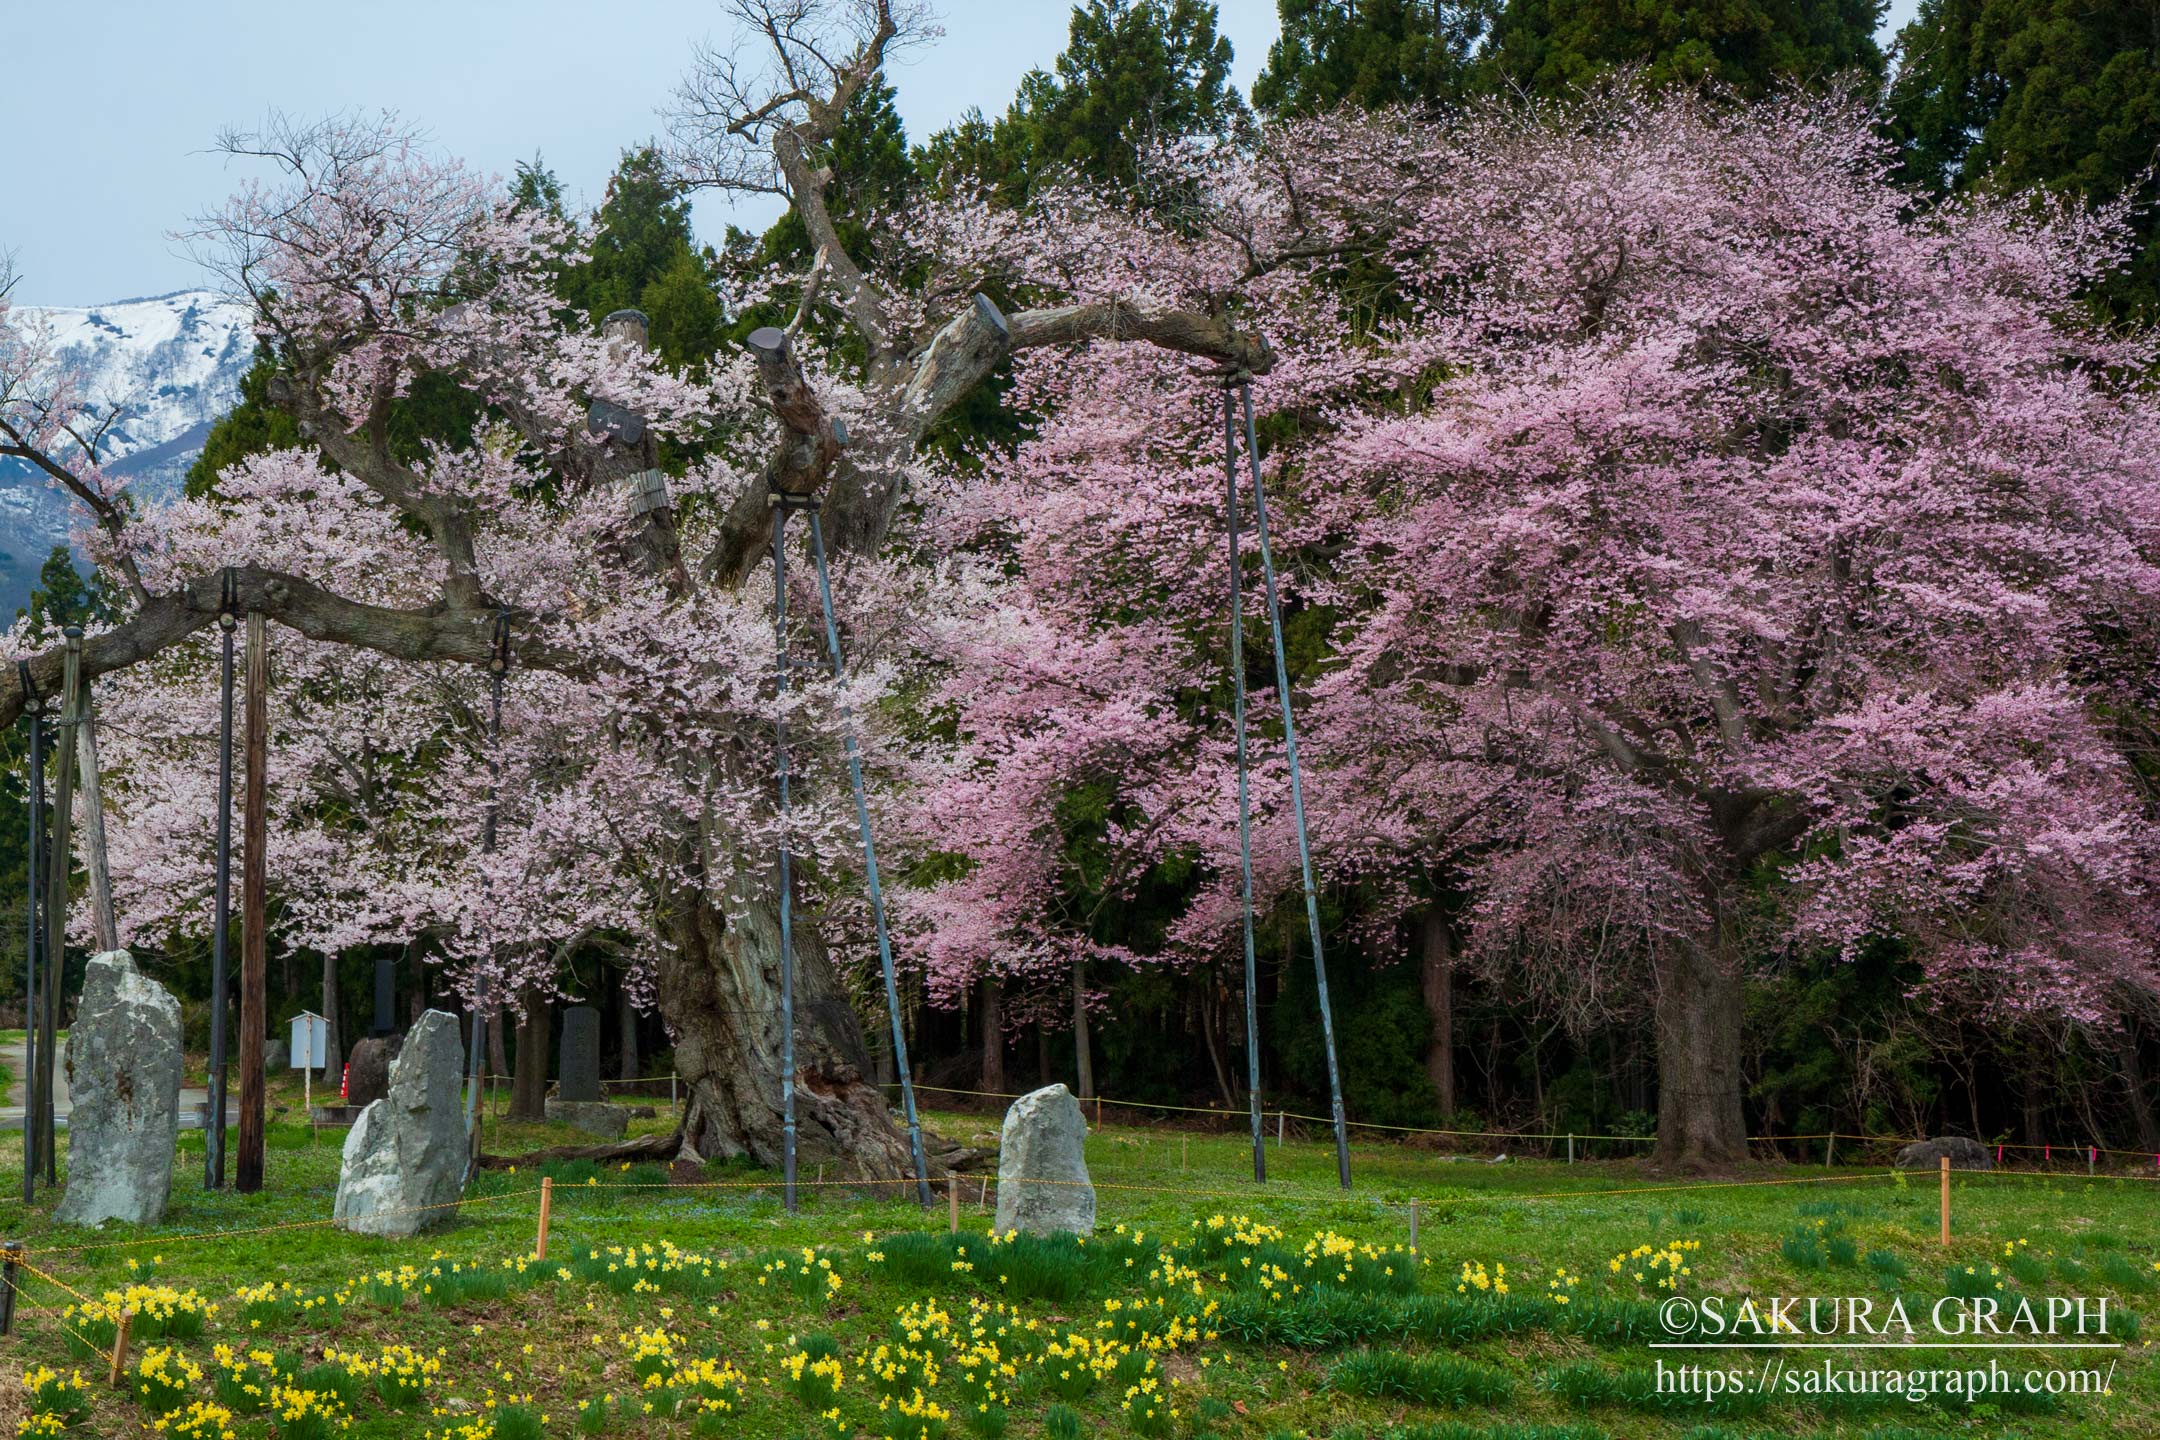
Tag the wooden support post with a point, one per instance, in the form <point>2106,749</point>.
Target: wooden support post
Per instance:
<point>1829,1151</point>
<point>2092,1160</point>
<point>1571,1149</point>
<point>55,876</point>
<point>1945,1200</point>
<point>1184,1147</point>
<point>982,1197</point>
<point>254,911</point>
<point>1413,1227</point>
<point>94,862</point>
<point>119,1349</point>
<point>547,1205</point>
<point>1098,1112</point>
<point>1282,1122</point>
<point>952,1201</point>
<point>10,1267</point>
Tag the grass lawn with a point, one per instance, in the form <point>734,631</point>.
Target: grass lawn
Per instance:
<point>1205,1306</point>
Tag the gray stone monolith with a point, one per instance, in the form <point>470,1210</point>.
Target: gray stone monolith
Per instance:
<point>1043,1183</point>
<point>123,1069</point>
<point>577,1073</point>
<point>404,1162</point>
<point>1965,1154</point>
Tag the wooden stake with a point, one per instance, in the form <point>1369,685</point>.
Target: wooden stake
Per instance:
<point>254,911</point>
<point>1946,1200</point>
<point>952,1201</point>
<point>1413,1227</point>
<point>1571,1149</point>
<point>10,1259</point>
<point>55,876</point>
<point>1282,1120</point>
<point>1184,1145</point>
<point>982,1199</point>
<point>1829,1151</point>
<point>86,759</point>
<point>119,1349</point>
<point>547,1206</point>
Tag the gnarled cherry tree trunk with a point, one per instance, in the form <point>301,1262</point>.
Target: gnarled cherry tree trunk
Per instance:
<point>720,991</point>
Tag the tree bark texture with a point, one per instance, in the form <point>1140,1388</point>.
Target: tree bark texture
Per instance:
<point>528,1084</point>
<point>993,1035</point>
<point>1438,953</point>
<point>1698,1015</point>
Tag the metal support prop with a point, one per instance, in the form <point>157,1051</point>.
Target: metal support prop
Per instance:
<point>1297,789</point>
<point>1244,794</point>
<point>31,939</point>
<point>498,667</point>
<point>870,874</point>
<point>781,506</point>
<point>221,921</point>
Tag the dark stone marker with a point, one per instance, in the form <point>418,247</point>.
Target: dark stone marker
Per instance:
<point>385,996</point>
<point>578,1077</point>
<point>367,1077</point>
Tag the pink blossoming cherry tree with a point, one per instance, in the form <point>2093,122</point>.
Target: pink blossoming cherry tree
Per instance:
<point>1720,561</point>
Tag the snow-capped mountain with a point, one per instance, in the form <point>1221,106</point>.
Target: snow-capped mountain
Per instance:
<point>171,363</point>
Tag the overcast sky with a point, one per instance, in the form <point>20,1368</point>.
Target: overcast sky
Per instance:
<point>116,102</point>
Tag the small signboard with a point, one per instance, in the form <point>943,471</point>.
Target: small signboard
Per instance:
<point>310,1040</point>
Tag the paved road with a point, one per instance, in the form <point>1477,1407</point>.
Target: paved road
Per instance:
<point>13,1054</point>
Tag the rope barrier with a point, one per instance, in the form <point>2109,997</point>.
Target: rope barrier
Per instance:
<point>1220,1113</point>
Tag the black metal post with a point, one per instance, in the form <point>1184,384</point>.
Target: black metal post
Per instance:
<point>1297,791</point>
<point>35,795</point>
<point>498,668</point>
<point>787,933</point>
<point>871,882</point>
<point>214,1122</point>
<point>1244,792</point>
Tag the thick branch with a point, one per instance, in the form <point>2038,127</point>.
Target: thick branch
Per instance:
<point>1190,332</point>
<point>368,460</point>
<point>463,636</point>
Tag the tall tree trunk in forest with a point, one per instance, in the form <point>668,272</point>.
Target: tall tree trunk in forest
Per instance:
<point>993,1035</point>
<point>1439,979</point>
<point>627,1064</point>
<point>1083,1060</point>
<point>1698,1007</point>
<point>498,1049</point>
<point>1208,1013</point>
<point>333,1056</point>
<point>528,1082</point>
<point>2141,1100</point>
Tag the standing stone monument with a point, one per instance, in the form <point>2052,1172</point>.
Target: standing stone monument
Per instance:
<point>404,1161</point>
<point>578,1074</point>
<point>123,1069</point>
<point>1965,1153</point>
<point>367,1072</point>
<point>1042,1166</point>
<point>577,1099</point>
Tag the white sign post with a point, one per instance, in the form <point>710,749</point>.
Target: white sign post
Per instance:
<point>310,1047</point>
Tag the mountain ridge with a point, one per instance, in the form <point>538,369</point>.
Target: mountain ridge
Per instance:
<point>172,362</point>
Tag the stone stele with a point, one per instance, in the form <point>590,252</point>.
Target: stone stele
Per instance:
<point>404,1163</point>
<point>1042,1166</point>
<point>1965,1153</point>
<point>123,1068</point>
